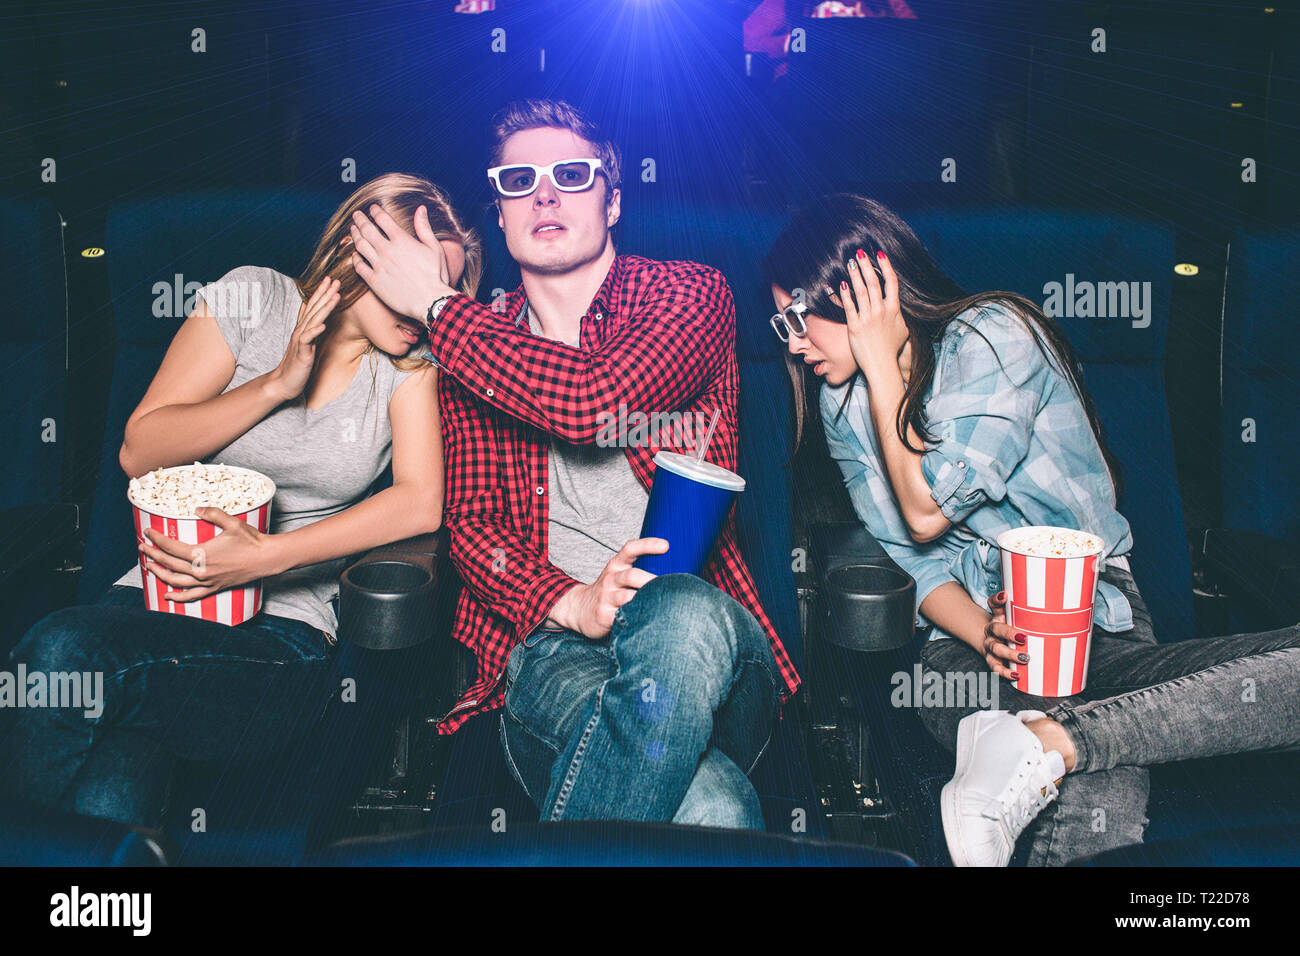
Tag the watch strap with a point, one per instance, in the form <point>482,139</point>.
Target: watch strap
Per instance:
<point>436,308</point>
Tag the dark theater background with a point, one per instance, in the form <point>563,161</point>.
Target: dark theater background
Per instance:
<point>1029,142</point>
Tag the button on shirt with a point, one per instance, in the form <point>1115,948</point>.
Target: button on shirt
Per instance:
<point>1012,448</point>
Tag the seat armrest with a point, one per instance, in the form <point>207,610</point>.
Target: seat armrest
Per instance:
<point>834,544</point>
<point>869,601</point>
<point>389,596</point>
<point>1259,572</point>
<point>433,545</point>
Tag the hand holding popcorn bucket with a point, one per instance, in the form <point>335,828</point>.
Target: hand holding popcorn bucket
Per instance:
<point>165,500</point>
<point>1050,578</point>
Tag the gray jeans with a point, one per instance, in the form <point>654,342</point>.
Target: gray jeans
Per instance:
<point>1145,703</point>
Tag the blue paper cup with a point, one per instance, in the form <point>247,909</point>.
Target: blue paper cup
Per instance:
<point>689,500</point>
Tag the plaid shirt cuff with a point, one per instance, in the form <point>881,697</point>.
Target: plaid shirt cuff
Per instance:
<point>538,599</point>
<point>459,318</point>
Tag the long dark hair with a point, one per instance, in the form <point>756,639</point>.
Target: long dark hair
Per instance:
<point>810,254</point>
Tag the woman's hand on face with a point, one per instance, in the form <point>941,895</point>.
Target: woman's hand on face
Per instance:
<point>294,371</point>
<point>877,332</point>
<point>1001,650</point>
<point>238,555</point>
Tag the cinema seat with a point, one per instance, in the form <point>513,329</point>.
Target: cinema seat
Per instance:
<point>149,243</point>
<point>1263,845</point>
<point>1255,556</point>
<point>1253,561</point>
<point>734,240</point>
<point>38,522</point>
<point>1261,378</point>
<point>38,836</point>
<point>1123,367</point>
<point>477,781</point>
<point>1122,357</point>
<point>253,811</point>
<point>601,843</point>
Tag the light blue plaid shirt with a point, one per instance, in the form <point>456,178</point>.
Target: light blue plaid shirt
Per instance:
<point>1013,448</point>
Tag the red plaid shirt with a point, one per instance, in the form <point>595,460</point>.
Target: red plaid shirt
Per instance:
<point>658,337</point>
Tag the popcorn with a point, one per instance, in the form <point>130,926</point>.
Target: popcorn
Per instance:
<point>1051,542</point>
<point>177,492</point>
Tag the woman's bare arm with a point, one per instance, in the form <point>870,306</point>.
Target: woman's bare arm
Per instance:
<point>413,505</point>
<point>184,416</point>
<point>886,388</point>
<point>950,609</point>
<point>878,335</point>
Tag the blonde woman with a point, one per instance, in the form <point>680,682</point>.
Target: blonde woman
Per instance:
<point>314,382</point>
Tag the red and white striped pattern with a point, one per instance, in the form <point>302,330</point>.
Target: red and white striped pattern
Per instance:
<point>1050,601</point>
<point>475,6</point>
<point>232,606</point>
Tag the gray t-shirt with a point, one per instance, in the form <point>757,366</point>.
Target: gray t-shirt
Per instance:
<point>322,461</point>
<point>596,503</point>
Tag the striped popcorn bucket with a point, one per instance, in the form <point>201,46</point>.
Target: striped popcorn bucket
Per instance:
<point>1050,600</point>
<point>232,606</point>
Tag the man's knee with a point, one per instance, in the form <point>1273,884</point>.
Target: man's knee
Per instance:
<point>683,618</point>
<point>720,795</point>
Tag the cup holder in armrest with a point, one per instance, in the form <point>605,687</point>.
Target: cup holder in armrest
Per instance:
<point>872,607</point>
<point>387,604</point>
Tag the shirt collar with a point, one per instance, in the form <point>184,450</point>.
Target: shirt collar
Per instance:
<point>604,302</point>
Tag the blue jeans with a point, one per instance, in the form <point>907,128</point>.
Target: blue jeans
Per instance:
<point>660,721</point>
<point>1144,704</point>
<point>173,688</point>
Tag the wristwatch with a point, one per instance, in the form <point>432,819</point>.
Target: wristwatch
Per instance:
<point>436,309</point>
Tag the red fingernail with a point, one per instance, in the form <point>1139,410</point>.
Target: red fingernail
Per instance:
<point>1000,597</point>
<point>880,253</point>
<point>843,286</point>
<point>861,254</point>
<point>1020,639</point>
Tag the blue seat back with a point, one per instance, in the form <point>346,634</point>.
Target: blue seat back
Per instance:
<point>33,354</point>
<point>1122,356</point>
<point>153,246</point>
<point>1261,382</point>
<point>734,241</point>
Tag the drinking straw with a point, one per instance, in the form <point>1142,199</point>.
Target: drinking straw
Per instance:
<point>708,436</point>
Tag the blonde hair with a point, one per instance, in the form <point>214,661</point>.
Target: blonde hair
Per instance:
<point>399,195</point>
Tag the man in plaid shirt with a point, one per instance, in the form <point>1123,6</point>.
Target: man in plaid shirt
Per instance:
<point>626,695</point>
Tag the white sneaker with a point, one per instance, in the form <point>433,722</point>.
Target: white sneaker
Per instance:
<point>1003,780</point>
